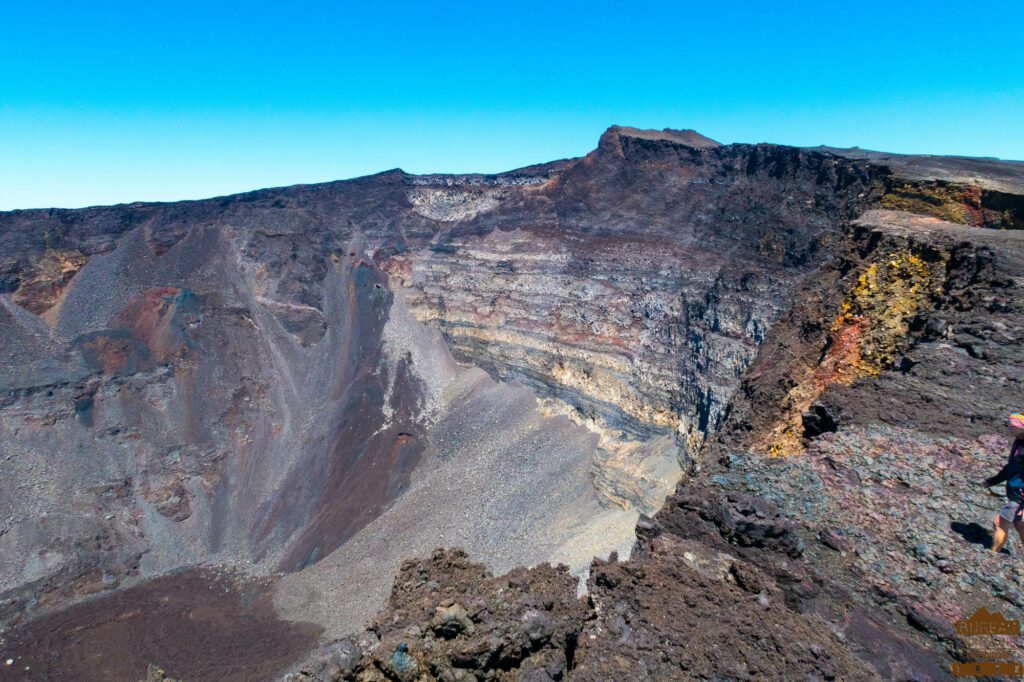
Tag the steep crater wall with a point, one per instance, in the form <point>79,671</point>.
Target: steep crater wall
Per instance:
<point>325,379</point>
<point>636,287</point>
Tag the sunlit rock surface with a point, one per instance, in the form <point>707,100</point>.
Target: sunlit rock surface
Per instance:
<point>317,382</point>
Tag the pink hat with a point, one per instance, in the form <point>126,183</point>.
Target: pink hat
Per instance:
<point>1017,420</point>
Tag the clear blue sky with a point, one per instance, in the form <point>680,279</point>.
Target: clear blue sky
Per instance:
<point>104,102</point>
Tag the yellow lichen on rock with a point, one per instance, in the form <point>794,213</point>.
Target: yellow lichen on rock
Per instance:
<point>866,338</point>
<point>888,293</point>
<point>948,202</point>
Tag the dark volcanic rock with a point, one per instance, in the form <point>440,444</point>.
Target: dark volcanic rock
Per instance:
<point>824,341</point>
<point>717,588</point>
<point>728,543</point>
<point>684,612</point>
<point>450,619</point>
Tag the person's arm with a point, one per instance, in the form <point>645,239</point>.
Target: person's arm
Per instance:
<point>1004,474</point>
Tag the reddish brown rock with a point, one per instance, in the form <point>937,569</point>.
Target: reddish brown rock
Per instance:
<point>41,287</point>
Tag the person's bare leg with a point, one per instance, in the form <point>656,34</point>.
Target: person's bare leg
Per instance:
<point>1001,525</point>
<point>1019,525</point>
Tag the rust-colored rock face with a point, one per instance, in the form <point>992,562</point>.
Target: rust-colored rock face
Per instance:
<point>321,381</point>
<point>148,332</point>
<point>46,280</point>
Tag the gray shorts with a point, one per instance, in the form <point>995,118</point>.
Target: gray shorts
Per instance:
<point>1009,510</point>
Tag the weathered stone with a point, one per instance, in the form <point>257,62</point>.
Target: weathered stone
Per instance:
<point>451,621</point>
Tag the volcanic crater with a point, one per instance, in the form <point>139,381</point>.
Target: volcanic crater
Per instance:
<point>227,426</point>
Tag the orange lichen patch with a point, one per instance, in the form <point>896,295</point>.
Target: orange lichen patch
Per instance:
<point>866,338</point>
<point>841,364</point>
<point>43,286</point>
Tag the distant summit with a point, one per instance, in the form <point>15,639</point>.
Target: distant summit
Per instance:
<point>690,138</point>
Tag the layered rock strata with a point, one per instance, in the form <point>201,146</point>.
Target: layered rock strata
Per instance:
<point>323,380</point>
<point>836,526</point>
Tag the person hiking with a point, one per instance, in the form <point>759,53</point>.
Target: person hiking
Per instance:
<point>1013,474</point>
